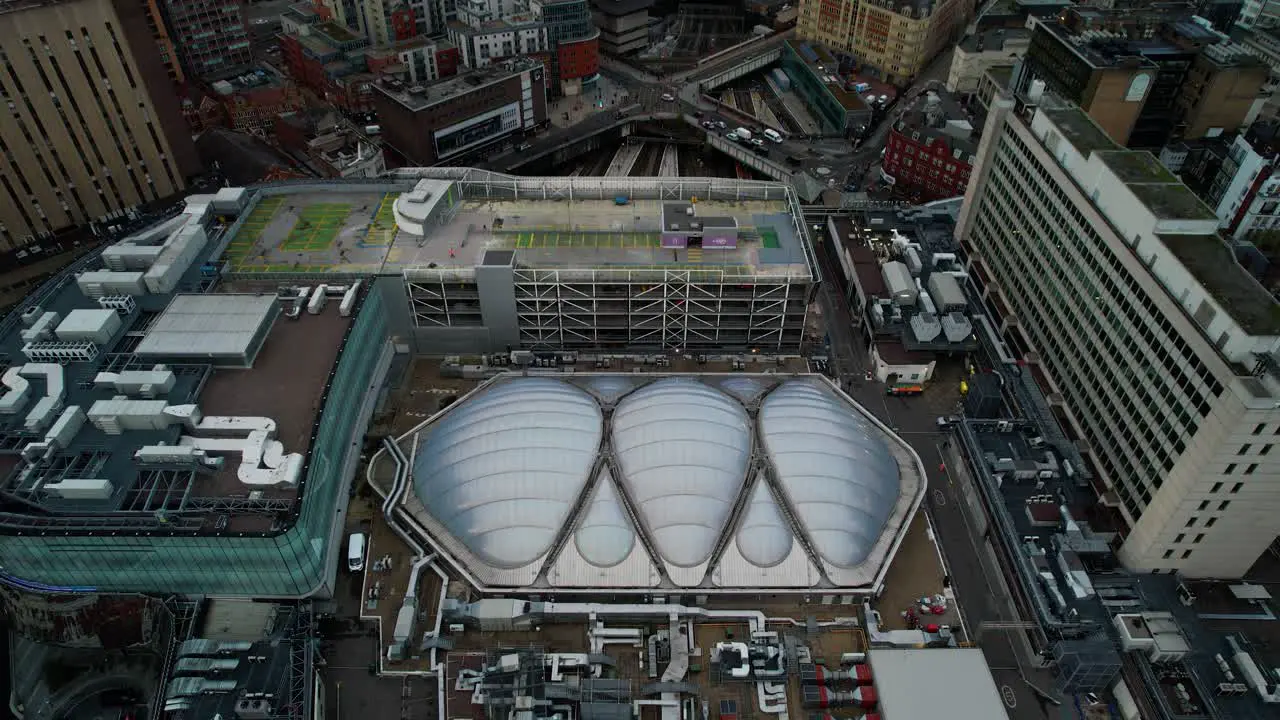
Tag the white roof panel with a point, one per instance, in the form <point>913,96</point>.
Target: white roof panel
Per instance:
<point>502,470</point>
<point>683,447</point>
<point>957,681</point>
<point>213,325</point>
<point>837,472</point>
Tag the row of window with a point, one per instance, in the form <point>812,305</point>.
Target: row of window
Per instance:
<point>1115,442</point>
<point>77,129</point>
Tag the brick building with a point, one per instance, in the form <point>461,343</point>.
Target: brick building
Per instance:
<point>455,118</point>
<point>930,152</point>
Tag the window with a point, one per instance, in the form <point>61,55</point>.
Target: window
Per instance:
<point>1265,450</point>
<point>1224,505</point>
<point>1249,470</point>
<point>1191,521</point>
<point>1236,488</point>
<point>1180,538</point>
<point>1218,486</point>
<point>1204,505</point>
<point>1186,554</point>
<point>1167,554</point>
<point>1257,429</point>
<point>1199,537</point>
<point>1243,449</point>
<point>1210,522</point>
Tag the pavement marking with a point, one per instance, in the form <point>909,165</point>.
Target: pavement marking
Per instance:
<point>939,497</point>
<point>1007,694</point>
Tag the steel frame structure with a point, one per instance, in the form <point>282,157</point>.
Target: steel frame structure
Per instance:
<point>739,307</point>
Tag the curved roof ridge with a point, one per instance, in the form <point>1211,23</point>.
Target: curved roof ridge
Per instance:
<point>764,536</point>
<point>683,447</point>
<point>605,536</point>
<point>836,471</point>
<point>507,503</point>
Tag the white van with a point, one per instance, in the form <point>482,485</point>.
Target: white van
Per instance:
<point>773,135</point>
<point>355,552</point>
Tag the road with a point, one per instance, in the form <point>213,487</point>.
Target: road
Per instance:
<point>974,577</point>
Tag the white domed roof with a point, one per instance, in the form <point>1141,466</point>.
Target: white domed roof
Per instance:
<point>683,448</point>
<point>764,536</point>
<point>605,537</point>
<point>839,476</point>
<point>503,470</point>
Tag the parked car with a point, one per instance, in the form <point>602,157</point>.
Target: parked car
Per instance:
<point>721,124</point>
<point>668,97</point>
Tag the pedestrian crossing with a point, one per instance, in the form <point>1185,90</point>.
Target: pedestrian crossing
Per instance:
<point>695,255</point>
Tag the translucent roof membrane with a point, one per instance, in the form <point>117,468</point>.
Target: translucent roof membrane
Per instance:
<point>837,472</point>
<point>503,470</point>
<point>683,448</point>
<point>605,537</point>
<point>764,536</point>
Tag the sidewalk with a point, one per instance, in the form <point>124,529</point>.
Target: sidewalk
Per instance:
<point>571,110</point>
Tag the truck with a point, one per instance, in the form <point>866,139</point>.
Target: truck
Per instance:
<point>743,134</point>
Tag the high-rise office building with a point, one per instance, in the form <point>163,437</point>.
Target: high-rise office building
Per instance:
<point>93,127</point>
<point>212,36</point>
<point>1108,278</point>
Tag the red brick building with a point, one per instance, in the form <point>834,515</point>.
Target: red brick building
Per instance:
<point>930,153</point>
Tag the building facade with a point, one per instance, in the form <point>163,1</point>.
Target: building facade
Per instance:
<point>1259,14</point>
<point>560,32</point>
<point>979,52</point>
<point>446,121</point>
<point>418,60</point>
<point>623,24</point>
<point>930,153</point>
<point>895,40</point>
<point>212,38</point>
<point>94,127</point>
<point>1144,78</point>
<point>1107,277</point>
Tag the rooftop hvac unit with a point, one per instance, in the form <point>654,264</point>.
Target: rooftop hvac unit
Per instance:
<point>253,708</point>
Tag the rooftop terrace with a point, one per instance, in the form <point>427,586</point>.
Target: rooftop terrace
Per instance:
<point>352,228</point>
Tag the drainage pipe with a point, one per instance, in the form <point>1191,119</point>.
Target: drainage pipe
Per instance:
<point>393,498</point>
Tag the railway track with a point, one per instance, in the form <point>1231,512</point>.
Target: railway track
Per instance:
<point>647,164</point>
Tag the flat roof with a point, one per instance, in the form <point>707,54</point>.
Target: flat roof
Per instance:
<point>1136,166</point>
<point>286,384</point>
<point>936,682</point>
<point>209,326</point>
<point>351,228</point>
<point>419,97</point>
<point>1080,129</point>
<point>1209,259</point>
<point>1171,200</point>
<point>830,69</point>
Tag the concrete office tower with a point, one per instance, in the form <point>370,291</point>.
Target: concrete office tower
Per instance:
<point>212,36</point>
<point>93,125</point>
<point>1107,277</point>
